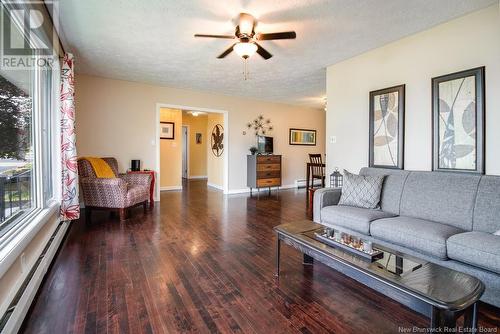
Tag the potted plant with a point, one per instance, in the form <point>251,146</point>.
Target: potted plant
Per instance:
<point>253,150</point>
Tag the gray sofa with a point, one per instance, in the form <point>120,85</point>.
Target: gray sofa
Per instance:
<point>445,218</point>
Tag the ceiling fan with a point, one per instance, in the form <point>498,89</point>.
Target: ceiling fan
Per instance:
<point>247,38</point>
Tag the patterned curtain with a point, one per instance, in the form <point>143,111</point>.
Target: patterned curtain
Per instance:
<point>70,205</point>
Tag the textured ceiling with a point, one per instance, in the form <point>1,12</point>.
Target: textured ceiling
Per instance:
<point>152,40</point>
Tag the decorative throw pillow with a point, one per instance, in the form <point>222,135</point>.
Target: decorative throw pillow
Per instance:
<point>361,191</point>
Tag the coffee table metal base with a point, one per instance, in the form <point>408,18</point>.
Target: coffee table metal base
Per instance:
<point>440,319</point>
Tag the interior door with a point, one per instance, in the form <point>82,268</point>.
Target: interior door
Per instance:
<point>185,152</point>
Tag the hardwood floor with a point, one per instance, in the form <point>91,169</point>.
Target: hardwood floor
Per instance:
<point>202,262</point>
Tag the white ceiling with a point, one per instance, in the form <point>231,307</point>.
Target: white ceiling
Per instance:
<point>152,40</point>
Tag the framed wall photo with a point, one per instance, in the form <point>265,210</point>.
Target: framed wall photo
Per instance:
<point>167,130</point>
<point>302,137</point>
<point>386,128</point>
<point>198,138</point>
<point>458,113</point>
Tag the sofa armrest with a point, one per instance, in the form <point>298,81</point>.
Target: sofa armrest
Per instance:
<point>136,179</point>
<point>324,197</point>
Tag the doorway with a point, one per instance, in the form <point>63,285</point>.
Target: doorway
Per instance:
<point>176,159</point>
<point>185,151</point>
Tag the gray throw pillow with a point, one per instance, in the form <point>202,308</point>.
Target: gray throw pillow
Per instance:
<point>361,191</point>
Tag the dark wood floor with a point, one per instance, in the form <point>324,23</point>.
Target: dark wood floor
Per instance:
<point>202,262</point>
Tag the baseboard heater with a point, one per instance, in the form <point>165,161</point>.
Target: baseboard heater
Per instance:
<point>302,183</point>
<point>12,319</point>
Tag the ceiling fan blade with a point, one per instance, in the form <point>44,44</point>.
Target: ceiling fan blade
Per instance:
<point>215,36</point>
<point>276,35</point>
<point>263,52</point>
<point>225,53</point>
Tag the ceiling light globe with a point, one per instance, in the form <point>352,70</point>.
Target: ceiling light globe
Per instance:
<point>245,50</point>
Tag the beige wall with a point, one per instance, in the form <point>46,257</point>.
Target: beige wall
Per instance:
<point>171,151</point>
<point>215,165</point>
<point>467,42</point>
<point>197,164</point>
<point>118,118</point>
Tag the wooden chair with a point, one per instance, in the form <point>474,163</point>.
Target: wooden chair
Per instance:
<point>317,170</point>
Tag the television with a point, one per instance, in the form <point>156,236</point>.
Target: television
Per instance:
<point>265,145</point>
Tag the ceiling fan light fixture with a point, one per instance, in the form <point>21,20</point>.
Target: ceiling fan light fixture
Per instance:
<point>245,50</point>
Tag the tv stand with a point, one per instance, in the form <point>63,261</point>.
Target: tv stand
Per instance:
<point>263,171</point>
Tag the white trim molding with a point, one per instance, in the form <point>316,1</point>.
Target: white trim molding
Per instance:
<point>15,321</point>
<point>216,186</point>
<point>170,188</point>
<point>225,187</point>
<point>198,177</point>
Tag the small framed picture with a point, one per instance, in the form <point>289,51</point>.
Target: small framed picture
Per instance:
<point>302,137</point>
<point>198,138</point>
<point>167,130</point>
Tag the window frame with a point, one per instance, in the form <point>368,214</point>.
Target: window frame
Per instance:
<point>45,107</point>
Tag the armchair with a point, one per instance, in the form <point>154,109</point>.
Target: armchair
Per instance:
<point>120,194</point>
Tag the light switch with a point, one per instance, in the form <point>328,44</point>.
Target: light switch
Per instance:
<point>333,139</point>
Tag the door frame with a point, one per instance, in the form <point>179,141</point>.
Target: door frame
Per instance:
<point>187,148</point>
<point>156,141</point>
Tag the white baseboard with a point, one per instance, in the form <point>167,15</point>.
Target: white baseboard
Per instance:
<point>170,188</point>
<point>247,190</point>
<point>216,186</point>
<point>198,177</point>
<point>21,309</point>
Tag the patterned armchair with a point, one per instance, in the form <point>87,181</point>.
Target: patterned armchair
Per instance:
<point>121,193</point>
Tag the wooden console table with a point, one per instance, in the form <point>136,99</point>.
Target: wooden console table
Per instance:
<point>263,171</point>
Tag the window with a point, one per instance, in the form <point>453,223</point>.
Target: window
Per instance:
<point>27,112</point>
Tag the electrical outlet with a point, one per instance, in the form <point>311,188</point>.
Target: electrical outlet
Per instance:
<point>333,139</point>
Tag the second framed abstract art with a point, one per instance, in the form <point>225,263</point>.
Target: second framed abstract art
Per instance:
<point>386,143</point>
<point>458,111</point>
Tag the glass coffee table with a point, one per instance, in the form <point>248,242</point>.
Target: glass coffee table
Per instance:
<point>438,292</point>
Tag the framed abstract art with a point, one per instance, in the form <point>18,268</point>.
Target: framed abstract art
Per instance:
<point>386,128</point>
<point>458,121</point>
<point>302,137</point>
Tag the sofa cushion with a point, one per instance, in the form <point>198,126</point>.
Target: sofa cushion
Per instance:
<point>420,235</point>
<point>394,180</point>
<point>476,248</point>
<point>446,198</point>
<point>356,219</point>
<point>361,191</point>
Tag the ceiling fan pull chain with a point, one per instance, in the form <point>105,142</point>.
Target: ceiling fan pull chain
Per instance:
<point>245,68</point>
